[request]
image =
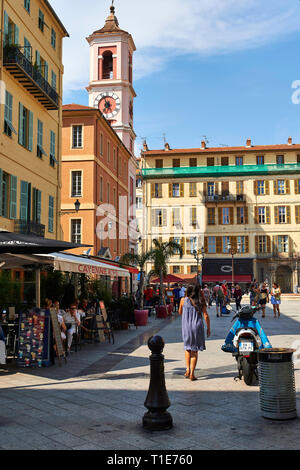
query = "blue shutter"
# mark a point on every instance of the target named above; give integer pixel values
(46, 71)
(1, 180)
(51, 214)
(24, 200)
(38, 206)
(6, 32)
(13, 197)
(30, 131)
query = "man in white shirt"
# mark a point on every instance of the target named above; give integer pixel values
(182, 291)
(71, 318)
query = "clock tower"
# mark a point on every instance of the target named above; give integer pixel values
(110, 88)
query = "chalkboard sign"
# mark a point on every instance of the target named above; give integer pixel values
(57, 334)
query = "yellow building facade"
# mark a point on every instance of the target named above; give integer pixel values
(239, 205)
(31, 72)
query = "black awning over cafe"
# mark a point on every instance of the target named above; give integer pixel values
(11, 242)
(220, 269)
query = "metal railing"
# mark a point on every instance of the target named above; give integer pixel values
(225, 197)
(29, 228)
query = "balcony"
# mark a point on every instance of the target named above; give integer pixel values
(221, 198)
(29, 228)
(30, 77)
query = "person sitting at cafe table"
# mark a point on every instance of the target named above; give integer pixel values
(72, 320)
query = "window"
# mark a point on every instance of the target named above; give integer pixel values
(52, 148)
(262, 244)
(282, 215)
(281, 187)
(101, 144)
(53, 80)
(193, 244)
(176, 162)
(193, 216)
(225, 188)
(139, 182)
(261, 215)
(239, 161)
(53, 38)
(242, 244)
(260, 160)
(176, 190)
(51, 214)
(283, 244)
(297, 214)
(261, 187)
(24, 201)
(176, 269)
(280, 159)
(108, 152)
(210, 189)
(158, 218)
(194, 269)
(239, 188)
(176, 217)
(25, 127)
(225, 216)
(107, 65)
(27, 50)
(4, 193)
(226, 241)
(193, 161)
(297, 186)
(40, 150)
(76, 137)
(11, 31)
(193, 189)
(211, 216)
(76, 230)
(210, 161)
(114, 159)
(41, 21)
(156, 190)
(158, 164)
(76, 182)
(224, 161)
(139, 203)
(36, 205)
(8, 110)
(108, 193)
(211, 244)
(27, 5)
(241, 215)
(101, 189)
(42, 65)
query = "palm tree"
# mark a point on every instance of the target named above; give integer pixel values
(139, 260)
(163, 251)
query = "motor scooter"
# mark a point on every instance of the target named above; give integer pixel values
(244, 340)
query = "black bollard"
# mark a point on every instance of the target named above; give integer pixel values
(157, 400)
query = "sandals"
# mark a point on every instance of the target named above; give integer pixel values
(192, 377)
(187, 374)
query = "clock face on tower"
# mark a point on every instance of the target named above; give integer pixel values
(108, 103)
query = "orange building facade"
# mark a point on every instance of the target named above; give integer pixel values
(94, 172)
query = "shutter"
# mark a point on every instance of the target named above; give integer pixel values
(216, 188)
(153, 218)
(287, 187)
(182, 243)
(170, 189)
(205, 244)
(204, 189)
(46, 68)
(296, 185)
(246, 215)
(13, 197)
(38, 206)
(220, 222)
(24, 200)
(218, 244)
(268, 215)
(188, 245)
(51, 214)
(231, 216)
(288, 214)
(30, 131)
(247, 244)
(21, 129)
(275, 187)
(268, 244)
(6, 32)
(255, 187)
(267, 187)
(1, 192)
(38, 59)
(181, 269)
(233, 241)
(164, 217)
(297, 214)
(276, 214)
(256, 215)
(256, 244)
(16, 35)
(181, 189)
(152, 190)
(160, 190)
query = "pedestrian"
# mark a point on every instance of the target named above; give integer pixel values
(253, 294)
(176, 291)
(182, 291)
(193, 334)
(276, 298)
(206, 293)
(237, 294)
(225, 291)
(218, 295)
(148, 296)
(263, 298)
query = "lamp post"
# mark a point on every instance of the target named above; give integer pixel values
(199, 255)
(76, 209)
(232, 251)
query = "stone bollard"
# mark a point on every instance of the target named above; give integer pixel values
(157, 400)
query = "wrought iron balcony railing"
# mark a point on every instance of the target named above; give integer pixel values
(29, 228)
(226, 198)
(30, 77)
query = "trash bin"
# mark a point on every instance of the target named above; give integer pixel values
(277, 383)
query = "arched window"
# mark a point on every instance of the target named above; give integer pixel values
(107, 68)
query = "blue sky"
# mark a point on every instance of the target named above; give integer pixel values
(219, 68)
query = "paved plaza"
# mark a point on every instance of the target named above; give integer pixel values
(95, 401)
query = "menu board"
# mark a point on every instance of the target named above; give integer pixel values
(33, 338)
(57, 334)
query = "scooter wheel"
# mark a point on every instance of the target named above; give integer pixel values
(248, 371)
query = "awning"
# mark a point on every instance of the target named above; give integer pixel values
(81, 265)
(239, 278)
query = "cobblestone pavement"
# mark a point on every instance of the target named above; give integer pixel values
(95, 401)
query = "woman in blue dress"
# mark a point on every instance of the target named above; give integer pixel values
(193, 311)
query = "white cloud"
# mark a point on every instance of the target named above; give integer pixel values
(165, 28)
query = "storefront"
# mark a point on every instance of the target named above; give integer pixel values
(220, 269)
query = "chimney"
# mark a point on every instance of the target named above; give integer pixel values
(290, 141)
(167, 146)
(145, 146)
(203, 144)
(248, 143)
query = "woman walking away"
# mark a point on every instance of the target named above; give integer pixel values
(193, 311)
(206, 293)
(263, 298)
(276, 298)
(237, 294)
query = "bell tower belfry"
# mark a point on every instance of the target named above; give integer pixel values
(110, 88)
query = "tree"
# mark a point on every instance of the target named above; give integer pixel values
(139, 260)
(163, 251)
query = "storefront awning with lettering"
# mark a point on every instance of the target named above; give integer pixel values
(81, 265)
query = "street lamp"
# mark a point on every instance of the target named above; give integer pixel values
(199, 255)
(232, 251)
(76, 206)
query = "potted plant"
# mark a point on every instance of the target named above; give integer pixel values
(139, 260)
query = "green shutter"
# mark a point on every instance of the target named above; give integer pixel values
(38, 206)
(13, 197)
(24, 200)
(30, 131)
(38, 59)
(51, 214)
(6, 32)
(46, 66)
(1, 182)
(16, 35)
